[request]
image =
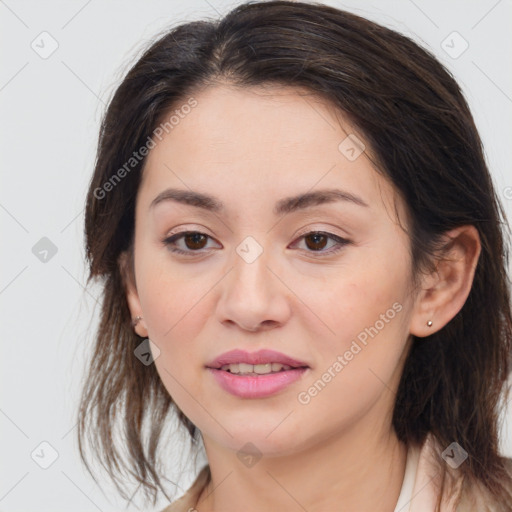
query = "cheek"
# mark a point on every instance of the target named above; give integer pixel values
(358, 300)
(368, 310)
(176, 307)
(173, 313)
(360, 368)
(169, 295)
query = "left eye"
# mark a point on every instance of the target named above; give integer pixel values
(318, 240)
(195, 241)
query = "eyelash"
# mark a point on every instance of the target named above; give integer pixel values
(342, 242)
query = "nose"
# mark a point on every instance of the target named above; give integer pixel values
(253, 295)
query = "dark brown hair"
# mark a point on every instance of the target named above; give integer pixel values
(420, 129)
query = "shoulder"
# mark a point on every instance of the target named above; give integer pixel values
(460, 494)
(476, 496)
(508, 465)
(189, 500)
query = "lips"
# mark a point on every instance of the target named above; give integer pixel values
(246, 375)
(254, 358)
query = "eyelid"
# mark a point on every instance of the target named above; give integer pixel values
(194, 228)
(320, 229)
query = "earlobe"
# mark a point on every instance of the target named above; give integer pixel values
(445, 291)
(132, 297)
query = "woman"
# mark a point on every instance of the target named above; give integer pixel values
(302, 255)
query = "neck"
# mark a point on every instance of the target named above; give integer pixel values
(366, 473)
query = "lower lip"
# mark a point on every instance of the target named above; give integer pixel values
(256, 386)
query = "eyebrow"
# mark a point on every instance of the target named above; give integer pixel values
(283, 206)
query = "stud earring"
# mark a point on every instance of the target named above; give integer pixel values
(430, 323)
(136, 320)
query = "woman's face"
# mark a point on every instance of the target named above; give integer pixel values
(257, 275)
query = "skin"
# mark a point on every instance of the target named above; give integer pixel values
(250, 148)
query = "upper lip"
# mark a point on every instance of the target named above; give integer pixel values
(260, 357)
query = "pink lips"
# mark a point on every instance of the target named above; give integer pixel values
(260, 357)
(259, 386)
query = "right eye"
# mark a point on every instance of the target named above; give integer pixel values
(194, 240)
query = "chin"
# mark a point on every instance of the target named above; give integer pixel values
(258, 436)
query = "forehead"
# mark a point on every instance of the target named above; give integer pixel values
(261, 142)
(235, 121)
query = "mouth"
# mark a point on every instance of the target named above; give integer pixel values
(262, 362)
(254, 370)
(255, 375)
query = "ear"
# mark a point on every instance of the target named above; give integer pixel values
(444, 291)
(125, 262)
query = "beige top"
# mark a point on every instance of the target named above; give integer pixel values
(418, 492)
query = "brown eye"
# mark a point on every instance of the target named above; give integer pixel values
(318, 241)
(194, 240)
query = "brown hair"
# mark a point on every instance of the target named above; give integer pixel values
(421, 131)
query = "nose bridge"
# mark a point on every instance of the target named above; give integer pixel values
(252, 295)
(251, 275)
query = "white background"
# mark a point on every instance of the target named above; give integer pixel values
(50, 111)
